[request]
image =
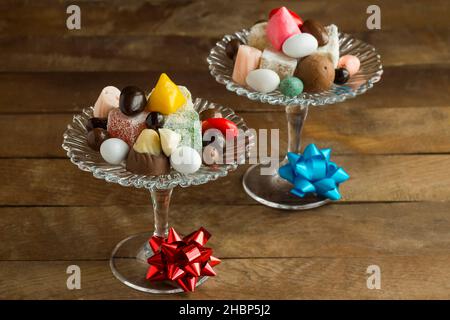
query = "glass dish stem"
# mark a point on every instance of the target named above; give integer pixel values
(296, 116)
(161, 203)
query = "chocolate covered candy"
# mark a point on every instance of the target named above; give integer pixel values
(232, 48)
(147, 164)
(247, 59)
(257, 37)
(107, 100)
(132, 100)
(316, 72)
(341, 76)
(95, 138)
(96, 123)
(316, 29)
(154, 120)
(280, 27)
(283, 65)
(124, 127)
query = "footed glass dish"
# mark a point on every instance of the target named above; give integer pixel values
(272, 190)
(128, 260)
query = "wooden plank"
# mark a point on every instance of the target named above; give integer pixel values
(374, 178)
(406, 86)
(183, 53)
(366, 130)
(205, 18)
(416, 277)
(337, 231)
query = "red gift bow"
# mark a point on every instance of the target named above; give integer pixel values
(182, 260)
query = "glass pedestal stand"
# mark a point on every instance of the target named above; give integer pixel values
(272, 190)
(129, 258)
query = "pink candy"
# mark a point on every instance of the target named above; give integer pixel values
(349, 62)
(124, 127)
(107, 100)
(280, 27)
(247, 59)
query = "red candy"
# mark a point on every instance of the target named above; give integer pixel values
(296, 17)
(221, 124)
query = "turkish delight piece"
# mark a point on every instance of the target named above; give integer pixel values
(186, 122)
(283, 65)
(107, 100)
(332, 47)
(247, 59)
(280, 27)
(126, 128)
(257, 37)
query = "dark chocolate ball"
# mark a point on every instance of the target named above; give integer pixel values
(95, 138)
(232, 48)
(132, 100)
(96, 123)
(341, 76)
(154, 120)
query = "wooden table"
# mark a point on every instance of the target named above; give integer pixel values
(394, 141)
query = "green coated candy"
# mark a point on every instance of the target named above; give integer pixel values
(291, 86)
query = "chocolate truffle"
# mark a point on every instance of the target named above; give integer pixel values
(317, 73)
(316, 29)
(147, 164)
(96, 123)
(132, 100)
(95, 138)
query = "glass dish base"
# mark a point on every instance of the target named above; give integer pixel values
(273, 191)
(129, 265)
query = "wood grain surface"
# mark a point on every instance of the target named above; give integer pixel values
(394, 141)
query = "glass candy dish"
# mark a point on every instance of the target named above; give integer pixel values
(129, 258)
(272, 190)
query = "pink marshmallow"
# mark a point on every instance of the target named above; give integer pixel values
(247, 59)
(107, 100)
(280, 27)
(349, 62)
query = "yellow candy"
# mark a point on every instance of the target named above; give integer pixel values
(148, 142)
(166, 98)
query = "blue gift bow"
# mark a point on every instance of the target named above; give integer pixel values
(313, 172)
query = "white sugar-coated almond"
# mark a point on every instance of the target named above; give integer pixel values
(300, 45)
(114, 150)
(263, 80)
(185, 160)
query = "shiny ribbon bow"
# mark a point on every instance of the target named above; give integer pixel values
(182, 260)
(313, 172)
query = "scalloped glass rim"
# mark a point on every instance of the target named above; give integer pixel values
(221, 68)
(80, 154)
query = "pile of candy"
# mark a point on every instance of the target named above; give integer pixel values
(154, 133)
(291, 55)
